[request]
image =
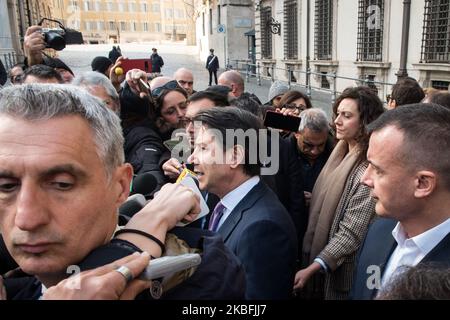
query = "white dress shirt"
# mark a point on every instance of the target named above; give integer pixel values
(232, 198)
(410, 251)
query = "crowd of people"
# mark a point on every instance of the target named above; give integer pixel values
(353, 208)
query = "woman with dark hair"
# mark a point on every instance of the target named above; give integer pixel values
(294, 101)
(341, 207)
(143, 143)
(170, 108)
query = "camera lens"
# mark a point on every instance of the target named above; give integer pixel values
(54, 40)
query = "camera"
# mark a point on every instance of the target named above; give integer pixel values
(57, 38)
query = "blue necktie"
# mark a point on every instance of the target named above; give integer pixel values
(215, 217)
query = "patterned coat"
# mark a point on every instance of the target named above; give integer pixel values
(354, 212)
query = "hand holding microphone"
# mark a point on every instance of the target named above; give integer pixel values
(142, 186)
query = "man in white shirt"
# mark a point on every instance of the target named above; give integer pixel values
(249, 217)
(409, 173)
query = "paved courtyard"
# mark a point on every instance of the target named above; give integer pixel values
(175, 55)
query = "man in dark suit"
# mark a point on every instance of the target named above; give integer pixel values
(201, 100)
(212, 64)
(409, 173)
(249, 217)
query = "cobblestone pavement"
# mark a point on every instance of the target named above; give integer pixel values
(175, 55)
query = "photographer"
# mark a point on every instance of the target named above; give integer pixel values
(34, 44)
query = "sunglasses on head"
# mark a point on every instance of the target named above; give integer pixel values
(173, 84)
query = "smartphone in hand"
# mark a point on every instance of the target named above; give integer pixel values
(277, 120)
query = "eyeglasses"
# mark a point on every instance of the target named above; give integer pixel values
(298, 109)
(173, 84)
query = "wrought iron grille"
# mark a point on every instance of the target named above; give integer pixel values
(368, 80)
(290, 29)
(325, 84)
(266, 35)
(436, 36)
(323, 29)
(370, 30)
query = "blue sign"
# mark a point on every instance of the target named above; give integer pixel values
(221, 28)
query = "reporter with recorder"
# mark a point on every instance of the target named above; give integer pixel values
(63, 179)
(102, 283)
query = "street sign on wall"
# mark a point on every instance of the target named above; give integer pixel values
(221, 28)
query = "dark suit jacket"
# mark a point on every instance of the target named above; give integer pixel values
(376, 251)
(261, 234)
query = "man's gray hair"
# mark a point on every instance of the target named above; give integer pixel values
(314, 119)
(94, 78)
(47, 101)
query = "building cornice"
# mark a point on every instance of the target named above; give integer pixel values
(373, 64)
(325, 63)
(268, 61)
(432, 66)
(296, 62)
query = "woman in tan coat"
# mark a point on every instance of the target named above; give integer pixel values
(341, 207)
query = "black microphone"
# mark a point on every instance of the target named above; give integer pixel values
(132, 205)
(144, 184)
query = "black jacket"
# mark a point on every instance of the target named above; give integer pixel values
(290, 187)
(143, 149)
(214, 65)
(7, 263)
(157, 62)
(219, 276)
(287, 183)
(113, 55)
